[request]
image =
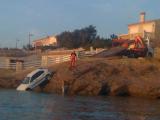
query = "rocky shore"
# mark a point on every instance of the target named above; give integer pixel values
(114, 77)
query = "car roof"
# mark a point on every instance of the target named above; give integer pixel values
(35, 71)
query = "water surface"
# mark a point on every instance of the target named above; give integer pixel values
(40, 106)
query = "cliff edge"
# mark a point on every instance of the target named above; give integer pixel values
(100, 76)
(117, 77)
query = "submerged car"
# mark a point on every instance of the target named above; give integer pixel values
(38, 77)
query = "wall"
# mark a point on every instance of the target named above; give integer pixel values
(157, 34)
(133, 29)
(130, 36)
(140, 28)
(50, 40)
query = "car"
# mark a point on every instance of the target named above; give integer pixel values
(39, 77)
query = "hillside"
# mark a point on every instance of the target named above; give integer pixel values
(99, 76)
(120, 77)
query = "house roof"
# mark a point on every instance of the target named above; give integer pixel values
(43, 38)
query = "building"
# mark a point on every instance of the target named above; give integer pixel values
(144, 28)
(47, 41)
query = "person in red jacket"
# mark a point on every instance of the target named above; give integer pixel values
(73, 59)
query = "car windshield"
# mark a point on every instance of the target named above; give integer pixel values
(26, 80)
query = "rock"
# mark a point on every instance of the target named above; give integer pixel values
(83, 87)
(105, 89)
(108, 77)
(116, 77)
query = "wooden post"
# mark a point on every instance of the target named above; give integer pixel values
(7, 63)
(91, 49)
(19, 66)
(44, 61)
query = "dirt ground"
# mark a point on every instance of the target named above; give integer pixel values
(117, 77)
(99, 76)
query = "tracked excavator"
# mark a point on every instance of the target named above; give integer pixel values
(138, 47)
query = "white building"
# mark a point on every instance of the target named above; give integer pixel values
(47, 41)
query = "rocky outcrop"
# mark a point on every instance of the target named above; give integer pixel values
(115, 77)
(7, 83)
(10, 79)
(119, 77)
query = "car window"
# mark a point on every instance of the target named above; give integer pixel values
(36, 75)
(26, 80)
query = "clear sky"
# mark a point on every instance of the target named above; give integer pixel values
(51, 17)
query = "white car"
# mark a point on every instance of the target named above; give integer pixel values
(35, 78)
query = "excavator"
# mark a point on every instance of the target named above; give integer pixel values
(138, 47)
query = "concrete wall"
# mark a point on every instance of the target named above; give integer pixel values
(157, 33)
(140, 28)
(50, 40)
(130, 36)
(133, 29)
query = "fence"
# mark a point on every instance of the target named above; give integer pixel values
(36, 63)
(7, 66)
(30, 64)
(4, 63)
(50, 60)
(43, 61)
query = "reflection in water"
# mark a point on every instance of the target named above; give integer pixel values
(31, 106)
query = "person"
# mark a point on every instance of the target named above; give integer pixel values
(73, 59)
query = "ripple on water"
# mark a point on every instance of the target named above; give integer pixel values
(16, 105)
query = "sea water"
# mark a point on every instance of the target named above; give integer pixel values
(16, 105)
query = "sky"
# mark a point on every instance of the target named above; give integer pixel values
(18, 18)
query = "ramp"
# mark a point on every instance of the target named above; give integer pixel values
(111, 52)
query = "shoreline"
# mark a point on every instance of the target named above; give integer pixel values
(100, 77)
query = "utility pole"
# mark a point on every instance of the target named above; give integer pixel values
(30, 35)
(17, 42)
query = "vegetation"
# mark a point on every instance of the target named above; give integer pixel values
(28, 47)
(84, 37)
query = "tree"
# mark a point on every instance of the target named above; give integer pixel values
(27, 47)
(78, 38)
(102, 43)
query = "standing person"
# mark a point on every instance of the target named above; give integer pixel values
(73, 59)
